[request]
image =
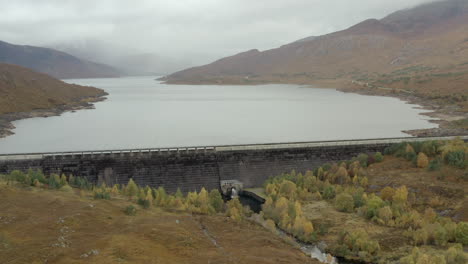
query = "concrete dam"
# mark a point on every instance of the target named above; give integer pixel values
(192, 168)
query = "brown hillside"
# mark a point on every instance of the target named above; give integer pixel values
(23, 90)
(416, 49)
(53, 62)
(45, 226)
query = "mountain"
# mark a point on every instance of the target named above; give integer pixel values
(23, 90)
(420, 49)
(129, 61)
(55, 63)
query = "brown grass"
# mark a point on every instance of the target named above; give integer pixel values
(55, 227)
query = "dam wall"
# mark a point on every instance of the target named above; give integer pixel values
(193, 168)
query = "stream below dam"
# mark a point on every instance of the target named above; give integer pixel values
(255, 202)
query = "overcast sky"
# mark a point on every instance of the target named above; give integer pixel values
(180, 27)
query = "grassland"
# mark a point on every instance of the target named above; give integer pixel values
(43, 225)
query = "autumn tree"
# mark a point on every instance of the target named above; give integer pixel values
(234, 210)
(216, 200)
(401, 195)
(387, 193)
(288, 189)
(131, 190)
(422, 160)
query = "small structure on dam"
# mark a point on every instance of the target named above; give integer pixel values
(231, 188)
(218, 167)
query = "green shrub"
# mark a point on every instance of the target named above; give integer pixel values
(216, 200)
(461, 233)
(130, 210)
(456, 255)
(101, 193)
(54, 181)
(373, 205)
(363, 160)
(378, 157)
(329, 192)
(358, 241)
(430, 148)
(456, 159)
(37, 175)
(66, 188)
(395, 149)
(344, 202)
(435, 164)
(17, 175)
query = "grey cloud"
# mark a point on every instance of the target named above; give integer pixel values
(180, 28)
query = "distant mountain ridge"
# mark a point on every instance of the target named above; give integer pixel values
(53, 62)
(419, 49)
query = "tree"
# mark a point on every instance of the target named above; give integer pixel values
(179, 193)
(387, 193)
(204, 202)
(401, 195)
(132, 189)
(288, 189)
(234, 209)
(161, 196)
(422, 160)
(329, 192)
(364, 182)
(216, 200)
(302, 228)
(373, 205)
(63, 180)
(341, 176)
(281, 209)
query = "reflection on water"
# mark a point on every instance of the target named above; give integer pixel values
(143, 113)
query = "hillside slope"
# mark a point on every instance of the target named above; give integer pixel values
(24, 90)
(25, 93)
(416, 49)
(55, 63)
(46, 226)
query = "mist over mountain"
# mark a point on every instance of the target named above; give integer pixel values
(130, 61)
(55, 63)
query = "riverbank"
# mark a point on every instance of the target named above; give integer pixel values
(6, 120)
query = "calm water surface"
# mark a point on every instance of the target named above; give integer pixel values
(143, 113)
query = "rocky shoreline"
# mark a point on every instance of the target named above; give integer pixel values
(6, 120)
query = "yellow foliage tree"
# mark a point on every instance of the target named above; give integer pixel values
(387, 193)
(132, 189)
(401, 195)
(422, 160)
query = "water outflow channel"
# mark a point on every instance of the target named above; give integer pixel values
(255, 203)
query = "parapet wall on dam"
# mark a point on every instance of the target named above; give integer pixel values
(196, 167)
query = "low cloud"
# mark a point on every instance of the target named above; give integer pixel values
(208, 28)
